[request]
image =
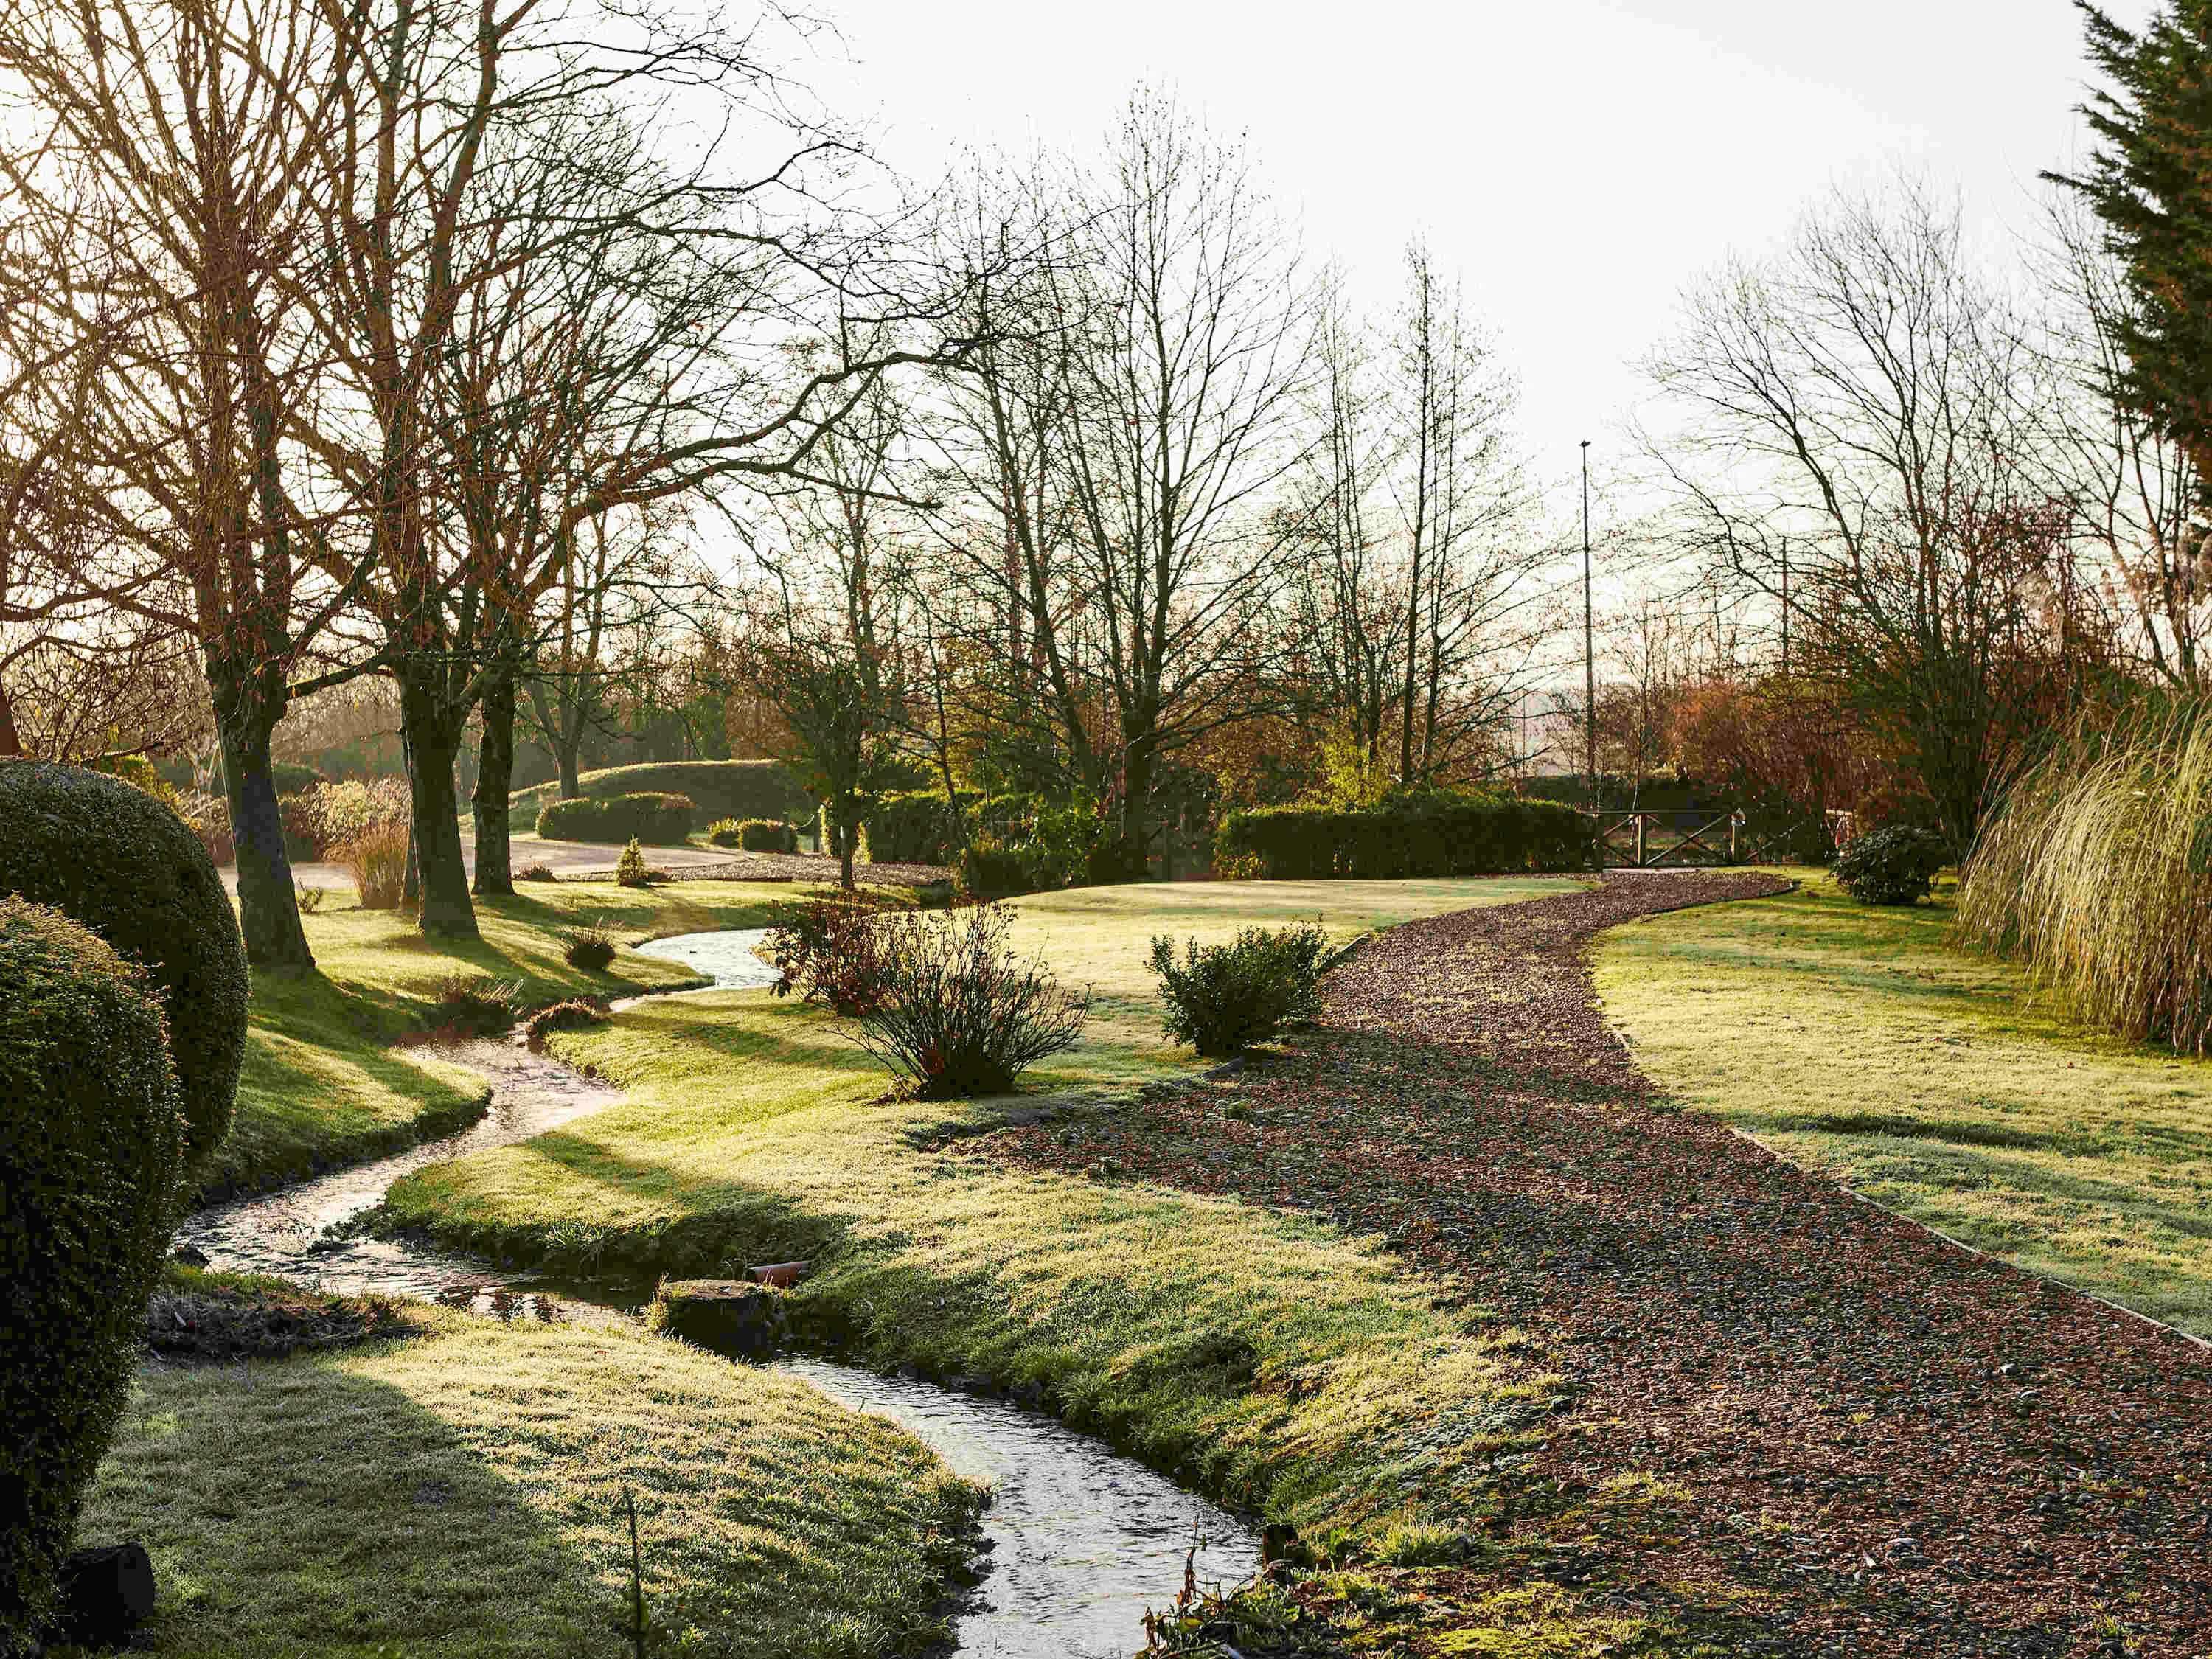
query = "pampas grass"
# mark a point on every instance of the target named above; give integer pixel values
(2097, 874)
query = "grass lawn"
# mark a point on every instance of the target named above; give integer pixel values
(460, 1492)
(322, 1084)
(1102, 936)
(1854, 1041)
(1270, 1360)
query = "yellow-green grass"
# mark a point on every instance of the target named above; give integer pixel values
(323, 1085)
(1855, 1041)
(1270, 1360)
(460, 1493)
(1101, 937)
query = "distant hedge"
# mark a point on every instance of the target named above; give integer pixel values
(721, 789)
(654, 818)
(1415, 836)
(915, 828)
(767, 836)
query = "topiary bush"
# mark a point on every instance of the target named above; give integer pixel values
(91, 1144)
(725, 832)
(133, 872)
(1222, 998)
(658, 820)
(1894, 864)
(767, 836)
(631, 869)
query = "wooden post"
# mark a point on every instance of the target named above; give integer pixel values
(1640, 822)
(1735, 819)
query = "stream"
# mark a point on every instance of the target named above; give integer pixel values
(1080, 1540)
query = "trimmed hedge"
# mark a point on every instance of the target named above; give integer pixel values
(722, 789)
(1435, 834)
(91, 1144)
(656, 819)
(126, 867)
(918, 827)
(767, 836)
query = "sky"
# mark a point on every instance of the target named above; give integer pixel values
(1578, 162)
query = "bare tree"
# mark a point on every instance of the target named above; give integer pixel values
(1860, 407)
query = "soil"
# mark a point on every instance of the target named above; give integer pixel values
(1868, 1441)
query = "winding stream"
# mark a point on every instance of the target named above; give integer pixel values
(1081, 1541)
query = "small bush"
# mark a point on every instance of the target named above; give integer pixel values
(767, 836)
(337, 814)
(658, 820)
(724, 832)
(478, 1005)
(631, 869)
(1240, 867)
(828, 949)
(960, 1014)
(302, 823)
(591, 948)
(1222, 998)
(309, 899)
(1894, 864)
(376, 860)
(126, 867)
(91, 1143)
(574, 1015)
(536, 872)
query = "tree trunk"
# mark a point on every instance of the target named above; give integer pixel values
(434, 740)
(268, 901)
(495, 787)
(11, 743)
(564, 762)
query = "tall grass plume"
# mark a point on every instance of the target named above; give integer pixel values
(2097, 874)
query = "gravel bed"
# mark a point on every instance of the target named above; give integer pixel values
(1869, 1440)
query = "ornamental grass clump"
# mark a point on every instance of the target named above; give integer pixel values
(2097, 874)
(478, 1005)
(590, 947)
(376, 860)
(1221, 998)
(961, 1015)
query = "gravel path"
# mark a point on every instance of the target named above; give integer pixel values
(1878, 1443)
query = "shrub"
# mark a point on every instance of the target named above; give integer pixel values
(91, 1142)
(1423, 833)
(376, 858)
(767, 836)
(294, 778)
(918, 827)
(1222, 998)
(309, 899)
(301, 817)
(660, 820)
(630, 869)
(828, 950)
(479, 1005)
(344, 812)
(127, 867)
(1894, 864)
(574, 1015)
(725, 832)
(536, 872)
(591, 948)
(2097, 874)
(960, 1014)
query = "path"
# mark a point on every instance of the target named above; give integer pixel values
(1886, 1445)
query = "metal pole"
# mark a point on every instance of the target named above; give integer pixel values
(1589, 650)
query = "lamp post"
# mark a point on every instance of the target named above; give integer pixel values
(1589, 650)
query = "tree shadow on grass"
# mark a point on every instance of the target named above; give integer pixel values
(303, 1507)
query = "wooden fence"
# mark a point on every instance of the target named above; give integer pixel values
(1663, 840)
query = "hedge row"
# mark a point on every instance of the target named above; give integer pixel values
(721, 789)
(915, 828)
(1439, 835)
(656, 819)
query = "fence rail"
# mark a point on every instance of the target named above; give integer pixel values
(1661, 840)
